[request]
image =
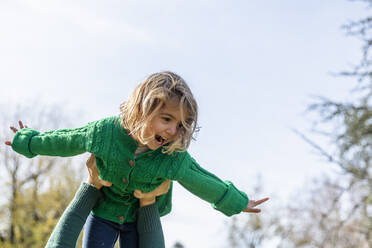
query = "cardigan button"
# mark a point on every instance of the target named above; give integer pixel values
(149, 154)
(121, 218)
(124, 180)
(131, 163)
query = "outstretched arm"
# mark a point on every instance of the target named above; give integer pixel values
(223, 195)
(63, 142)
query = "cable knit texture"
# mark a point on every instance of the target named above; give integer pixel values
(149, 227)
(114, 150)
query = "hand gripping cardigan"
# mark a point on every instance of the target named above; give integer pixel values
(114, 151)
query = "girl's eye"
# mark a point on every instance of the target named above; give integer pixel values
(166, 119)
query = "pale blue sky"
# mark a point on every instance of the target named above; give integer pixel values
(252, 66)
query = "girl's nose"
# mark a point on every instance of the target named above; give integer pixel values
(172, 130)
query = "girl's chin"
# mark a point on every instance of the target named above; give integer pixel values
(153, 145)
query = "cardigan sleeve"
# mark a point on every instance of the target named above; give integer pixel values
(223, 195)
(67, 230)
(150, 231)
(63, 142)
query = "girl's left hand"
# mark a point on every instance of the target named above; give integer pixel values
(252, 204)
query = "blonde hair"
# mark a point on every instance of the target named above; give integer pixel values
(149, 97)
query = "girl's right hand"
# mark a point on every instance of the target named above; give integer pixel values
(8, 143)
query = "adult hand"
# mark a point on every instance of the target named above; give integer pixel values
(149, 198)
(252, 204)
(93, 174)
(14, 131)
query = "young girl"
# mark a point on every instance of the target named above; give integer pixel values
(139, 149)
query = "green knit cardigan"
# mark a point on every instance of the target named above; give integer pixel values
(114, 151)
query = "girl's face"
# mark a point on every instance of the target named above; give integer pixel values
(164, 126)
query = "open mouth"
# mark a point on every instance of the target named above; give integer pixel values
(160, 140)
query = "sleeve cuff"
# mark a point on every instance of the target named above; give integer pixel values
(232, 202)
(148, 219)
(86, 197)
(21, 141)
